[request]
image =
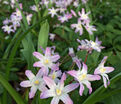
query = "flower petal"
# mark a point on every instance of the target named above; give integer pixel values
(66, 99)
(55, 58)
(93, 77)
(37, 64)
(104, 81)
(32, 92)
(55, 100)
(39, 74)
(84, 68)
(48, 51)
(58, 73)
(103, 60)
(25, 84)
(97, 71)
(50, 83)
(55, 66)
(109, 69)
(29, 74)
(73, 73)
(71, 87)
(81, 89)
(38, 55)
(88, 85)
(46, 94)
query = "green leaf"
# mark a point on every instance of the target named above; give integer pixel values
(11, 91)
(100, 94)
(43, 36)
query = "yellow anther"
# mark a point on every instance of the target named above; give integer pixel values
(36, 82)
(93, 43)
(46, 61)
(53, 76)
(58, 92)
(102, 70)
(80, 26)
(82, 77)
(18, 13)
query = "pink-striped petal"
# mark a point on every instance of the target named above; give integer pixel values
(44, 71)
(97, 71)
(46, 94)
(104, 60)
(70, 87)
(50, 83)
(63, 78)
(104, 81)
(32, 92)
(55, 66)
(78, 63)
(81, 90)
(84, 68)
(109, 69)
(73, 73)
(25, 84)
(73, 13)
(55, 100)
(88, 85)
(48, 51)
(93, 77)
(58, 73)
(39, 74)
(55, 58)
(66, 99)
(42, 87)
(37, 64)
(38, 55)
(29, 74)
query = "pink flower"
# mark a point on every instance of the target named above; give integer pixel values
(63, 18)
(101, 70)
(28, 17)
(83, 78)
(53, 12)
(52, 36)
(8, 29)
(74, 58)
(35, 82)
(6, 21)
(55, 75)
(78, 27)
(46, 61)
(90, 45)
(90, 28)
(58, 91)
(84, 16)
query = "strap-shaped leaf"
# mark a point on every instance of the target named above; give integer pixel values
(99, 94)
(11, 91)
(43, 36)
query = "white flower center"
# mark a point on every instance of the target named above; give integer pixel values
(36, 82)
(102, 70)
(84, 16)
(82, 77)
(53, 11)
(46, 61)
(58, 91)
(93, 44)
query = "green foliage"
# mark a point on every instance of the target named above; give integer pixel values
(16, 50)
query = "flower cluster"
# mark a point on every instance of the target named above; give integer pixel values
(11, 24)
(50, 79)
(90, 45)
